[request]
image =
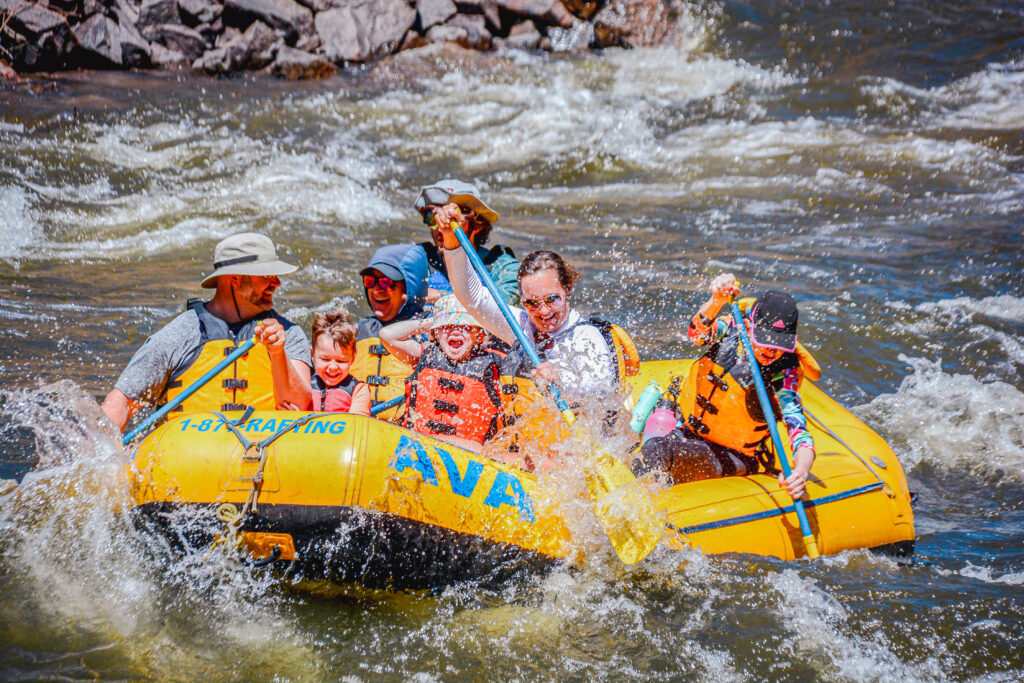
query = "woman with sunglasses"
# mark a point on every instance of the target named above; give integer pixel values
(395, 284)
(573, 351)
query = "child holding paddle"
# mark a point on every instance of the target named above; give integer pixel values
(724, 431)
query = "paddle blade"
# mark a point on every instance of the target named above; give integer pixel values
(626, 510)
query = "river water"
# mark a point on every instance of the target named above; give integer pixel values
(867, 156)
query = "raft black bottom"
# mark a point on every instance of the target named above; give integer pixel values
(901, 551)
(349, 544)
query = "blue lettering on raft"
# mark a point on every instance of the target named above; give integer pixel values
(506, 489)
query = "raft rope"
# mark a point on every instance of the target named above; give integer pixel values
(227, 513)
(888, 491)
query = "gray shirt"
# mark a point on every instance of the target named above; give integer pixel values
(175, 346)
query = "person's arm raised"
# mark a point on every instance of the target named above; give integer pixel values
(397, 338)
(291, 376)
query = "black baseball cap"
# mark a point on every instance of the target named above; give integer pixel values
(774, 317)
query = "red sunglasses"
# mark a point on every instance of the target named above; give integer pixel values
(372, 281)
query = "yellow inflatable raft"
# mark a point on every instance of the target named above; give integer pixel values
(351, 498)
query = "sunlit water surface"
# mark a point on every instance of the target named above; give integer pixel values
(868, 157)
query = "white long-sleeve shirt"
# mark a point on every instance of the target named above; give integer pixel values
(579, 352)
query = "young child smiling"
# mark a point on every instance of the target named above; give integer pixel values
(333, 351)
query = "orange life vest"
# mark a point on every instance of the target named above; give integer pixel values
(719, 400)
(246, 382)
(454, 399)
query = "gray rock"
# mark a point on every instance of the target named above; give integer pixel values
(549, 11)
(125, 12)
(135, 50)
(91, 7)
(634, 23)
(178, 38)
(411, 41)
(522, 36)
(433, 12)
(298, 65)
(31, 21)
(488, 8)
(284, 15)
(445, 33)
(166, 58)
(229, 34)
(100, 36)
(195, 12)
(253, 49)
(477, 35)
(157, 12)
(365, 30)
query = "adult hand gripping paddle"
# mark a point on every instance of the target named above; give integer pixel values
(623, 506)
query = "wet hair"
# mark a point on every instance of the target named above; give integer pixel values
(542, 259)
(338, 325)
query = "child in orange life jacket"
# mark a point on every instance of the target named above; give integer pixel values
(333, 351)
(453, 394)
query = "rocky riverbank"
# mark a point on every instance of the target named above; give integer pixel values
(305, 38)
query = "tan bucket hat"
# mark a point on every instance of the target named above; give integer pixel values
(246, 253)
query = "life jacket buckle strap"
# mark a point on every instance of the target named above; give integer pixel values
(449, 383)
(378, 380)
(233, 406)
(509, 389)
(707, 405)
(174, 384)
(440, 427)
(446, 406)
(697, 425)
(718, 381)
(228, 350)
(235, 383)
(379, 350)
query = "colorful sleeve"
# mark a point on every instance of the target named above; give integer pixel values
(787, 391)
(703, 335)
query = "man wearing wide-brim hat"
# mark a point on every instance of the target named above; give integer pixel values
(274, 374)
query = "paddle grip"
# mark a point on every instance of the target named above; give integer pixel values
(766, 406)
(387, 405)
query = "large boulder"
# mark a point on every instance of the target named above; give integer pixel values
(488, 8)
(364, 29)
(188, 42)
(157, 12)
(253, 49)
(548, 11)
(477, 35)
(100, 37)
(522, 36)
(135, 50)
(433, 12)
(287, 16)
(166, 58)
(195, 12)
(297, 65)
(36, 38)
(634, 23)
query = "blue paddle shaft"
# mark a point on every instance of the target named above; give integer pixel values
(485, 277)
(386, 405)
(192, 388)
(769, 414)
